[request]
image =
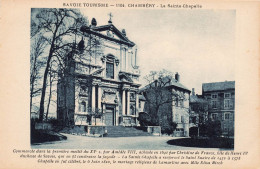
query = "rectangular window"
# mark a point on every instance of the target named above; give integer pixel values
(214, 104)
(227, 95)
(182, 119)
(214, 96)
(177, 102)
(110, 70)
(227, 103)
(227, 116)
(214, 116)
(181, 103)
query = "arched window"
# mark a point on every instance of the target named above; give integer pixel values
(83, 106)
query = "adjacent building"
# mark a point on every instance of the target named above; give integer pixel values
(198, 109)
(172, 99)
(221, 100)
(99, 85)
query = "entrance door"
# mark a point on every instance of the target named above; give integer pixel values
(109, 117)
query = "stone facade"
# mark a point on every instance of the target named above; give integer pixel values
(180, 111)
(101, 84)
(221, 100)
(177, 109)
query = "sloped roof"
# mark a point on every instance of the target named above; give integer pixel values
(97, 31)
(174, 83)
(168, 83)
(196, 99)
(218, 86)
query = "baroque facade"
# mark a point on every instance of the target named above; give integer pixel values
(221, 101)
(100, 85)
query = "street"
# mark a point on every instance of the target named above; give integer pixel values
(137, 143)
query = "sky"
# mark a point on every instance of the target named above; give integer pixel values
(198, 44)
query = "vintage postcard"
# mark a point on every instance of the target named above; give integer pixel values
(151, 84)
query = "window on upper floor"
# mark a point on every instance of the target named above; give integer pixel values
(227, 116)
(227, 103)
(110, 70)
(214, 96)
(181, 103)
(214, 104)
(177, 102)
(182, 119)
(227, 95)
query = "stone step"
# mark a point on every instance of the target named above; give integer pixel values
(121, 131)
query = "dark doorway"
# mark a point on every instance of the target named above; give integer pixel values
(109, 116)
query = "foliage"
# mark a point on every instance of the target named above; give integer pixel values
(144, 119)
(160, 96)
(211, 129)
(169, 129)
(53, 121)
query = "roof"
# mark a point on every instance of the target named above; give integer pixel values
(172, 83)
(97, 31)
(218, 86)
(196, 99)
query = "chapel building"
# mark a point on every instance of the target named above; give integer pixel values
(101, 80)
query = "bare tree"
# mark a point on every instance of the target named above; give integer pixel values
(52, 78)
(160, 96)
(37, 62)
(56, 26)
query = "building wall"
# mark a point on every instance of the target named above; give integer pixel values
(93, 92)
(222, 108)
(177, 110)
(180, 111)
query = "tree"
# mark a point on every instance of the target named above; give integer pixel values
(56, 26)
(37, 62)
(159, 96)
(213, 128)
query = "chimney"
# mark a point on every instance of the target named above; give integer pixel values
(155, 83)
(177, 77)
(193, 92)
(93, 22)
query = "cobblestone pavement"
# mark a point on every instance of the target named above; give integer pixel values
(137, 143)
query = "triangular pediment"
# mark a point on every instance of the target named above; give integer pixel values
(102, 31)
(112, 32)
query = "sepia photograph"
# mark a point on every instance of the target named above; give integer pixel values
(129, 84)
(132, 79)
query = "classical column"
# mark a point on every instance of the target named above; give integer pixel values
(136, 105)
(128, 102)
(123, 102)
(93, 98)
(99, 98)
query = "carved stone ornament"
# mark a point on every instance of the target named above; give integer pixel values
(109, 91)
(117, 62)
(116, 100)
(103, 58)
